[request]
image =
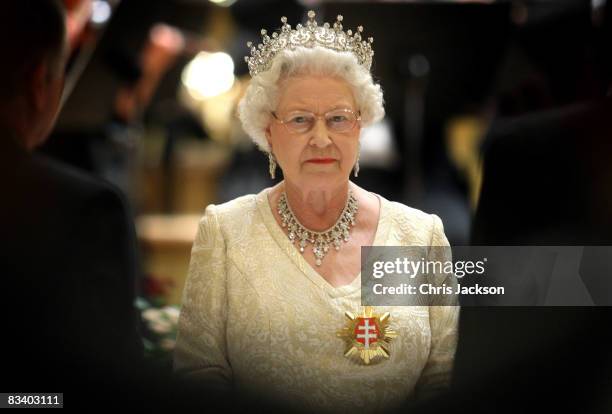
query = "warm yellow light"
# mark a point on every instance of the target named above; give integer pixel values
(224, 3)
(208, 75)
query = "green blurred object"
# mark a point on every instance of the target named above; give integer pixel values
(159, 328)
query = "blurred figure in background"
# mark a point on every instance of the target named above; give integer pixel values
(548, 181)
(68, 245)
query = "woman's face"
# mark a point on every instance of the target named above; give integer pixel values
(321, 157)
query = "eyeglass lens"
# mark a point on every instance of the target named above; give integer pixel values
(336, 121)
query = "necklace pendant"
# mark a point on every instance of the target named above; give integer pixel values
(321, 240)
(367, 336)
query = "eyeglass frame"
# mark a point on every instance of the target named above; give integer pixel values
(356, 114)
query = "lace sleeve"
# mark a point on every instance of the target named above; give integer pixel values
(443, 321)
(201, 352)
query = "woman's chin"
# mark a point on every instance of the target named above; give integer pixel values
(320, 179)
(321, 169)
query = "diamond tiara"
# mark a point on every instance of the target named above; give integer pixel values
(309, 36)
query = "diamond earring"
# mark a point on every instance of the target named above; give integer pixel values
(272, 165)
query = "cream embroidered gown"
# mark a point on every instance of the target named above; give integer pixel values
(256, 316)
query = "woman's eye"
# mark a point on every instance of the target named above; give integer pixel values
(338, 118)
(299, 120)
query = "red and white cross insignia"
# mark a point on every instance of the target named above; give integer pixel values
(366, 331)
(367, 335)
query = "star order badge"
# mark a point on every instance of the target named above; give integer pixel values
(367, 335)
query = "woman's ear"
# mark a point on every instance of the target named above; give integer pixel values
(38, 86)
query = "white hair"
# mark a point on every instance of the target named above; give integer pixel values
(261, 96)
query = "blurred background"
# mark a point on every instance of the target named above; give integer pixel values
(152, 89)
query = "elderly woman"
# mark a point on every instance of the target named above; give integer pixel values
(272, 275)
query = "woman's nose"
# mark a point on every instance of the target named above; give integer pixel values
(320, 135)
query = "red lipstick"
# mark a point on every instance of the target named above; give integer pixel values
(322, 160)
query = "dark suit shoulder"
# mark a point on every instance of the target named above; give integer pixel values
(48, 204)
(70, 180)
(39, 186)
(559, 122)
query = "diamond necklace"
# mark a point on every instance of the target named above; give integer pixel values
(321, 240)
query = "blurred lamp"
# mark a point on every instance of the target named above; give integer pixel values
(208, 75)
(224, 3)
(100, 12)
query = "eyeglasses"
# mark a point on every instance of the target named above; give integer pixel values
(337, 121)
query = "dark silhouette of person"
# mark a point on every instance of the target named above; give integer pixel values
(69, 260)
(547, 182)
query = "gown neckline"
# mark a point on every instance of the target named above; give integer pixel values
(283, 242)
